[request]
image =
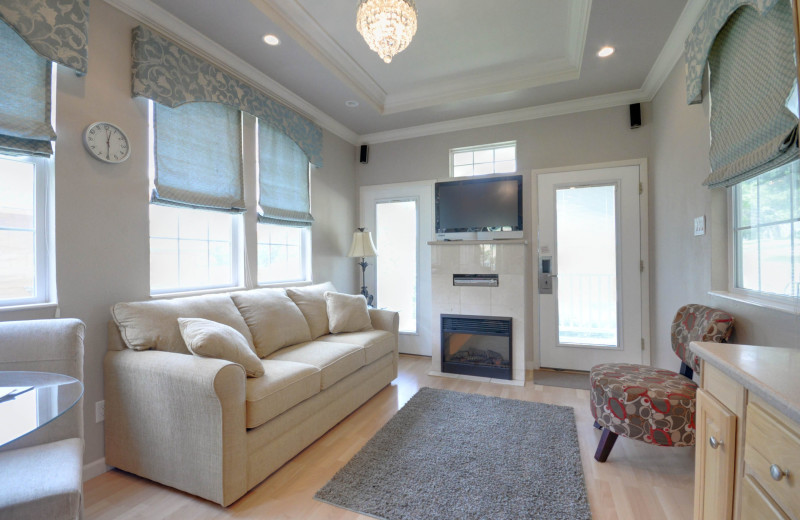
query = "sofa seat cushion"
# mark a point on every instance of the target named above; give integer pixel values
(283, 385)
(334, 360)
(376, 343)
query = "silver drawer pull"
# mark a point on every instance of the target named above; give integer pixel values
(777, 473)
(714, 443)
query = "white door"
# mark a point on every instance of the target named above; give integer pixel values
(590, 251)
(400, 218)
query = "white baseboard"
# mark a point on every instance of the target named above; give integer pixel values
(95, 469)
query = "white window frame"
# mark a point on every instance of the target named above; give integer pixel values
(43, 257)
(480, 148)
(305, 259)
(760, 299)
(237, 231)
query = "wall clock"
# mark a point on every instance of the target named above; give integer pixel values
(106, 142)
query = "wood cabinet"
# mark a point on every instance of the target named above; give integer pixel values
(715, 458)
(747, 462)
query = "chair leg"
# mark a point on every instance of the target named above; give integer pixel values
(597, 425)
(686, 371)
(607, 441)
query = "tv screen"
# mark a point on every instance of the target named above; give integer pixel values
(485, 204)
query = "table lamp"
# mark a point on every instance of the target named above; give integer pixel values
(362, 247)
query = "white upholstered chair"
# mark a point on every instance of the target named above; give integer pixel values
(41, 473)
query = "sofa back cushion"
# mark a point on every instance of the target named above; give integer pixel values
(273, 318)
(154, 324)
(311, 301)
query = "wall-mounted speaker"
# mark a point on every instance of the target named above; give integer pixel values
(636, 115)
(363, 155)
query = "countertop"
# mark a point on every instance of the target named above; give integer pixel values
(772, 373)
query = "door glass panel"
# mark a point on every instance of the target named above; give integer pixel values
(586, 238)
(396, 241)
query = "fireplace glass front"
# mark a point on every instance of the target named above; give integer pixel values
(476, 345)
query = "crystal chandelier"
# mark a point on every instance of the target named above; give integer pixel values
(387, 25)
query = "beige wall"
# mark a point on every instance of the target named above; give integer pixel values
(101, 211)
(575, 139)
(681, 264)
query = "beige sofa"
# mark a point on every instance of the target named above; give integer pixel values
(199, 424)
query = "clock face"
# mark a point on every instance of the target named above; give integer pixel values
(106, 142)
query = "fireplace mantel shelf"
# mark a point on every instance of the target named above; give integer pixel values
(473, 242)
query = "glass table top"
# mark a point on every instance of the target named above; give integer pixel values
(29, 400)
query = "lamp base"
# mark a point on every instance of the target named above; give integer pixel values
(363, 263)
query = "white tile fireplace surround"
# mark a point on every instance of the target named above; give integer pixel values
(506, 258)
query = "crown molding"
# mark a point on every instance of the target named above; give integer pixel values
(511, 116)
(161, 20)
(673, 48)
(578, 29)
(304, 29)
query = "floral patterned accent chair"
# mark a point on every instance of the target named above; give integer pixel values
(650, 404)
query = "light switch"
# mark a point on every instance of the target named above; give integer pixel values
(700, 226)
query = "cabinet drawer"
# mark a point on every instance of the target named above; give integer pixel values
(756, 503)
(771, 439)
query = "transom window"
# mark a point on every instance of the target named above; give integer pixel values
(484, 159)
(766, 233)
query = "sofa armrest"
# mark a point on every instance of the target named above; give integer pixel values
(385, 320)
(177, 419)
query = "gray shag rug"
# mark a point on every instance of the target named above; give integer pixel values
(448, 455)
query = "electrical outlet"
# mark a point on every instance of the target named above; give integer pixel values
(700, 226)
(99, 411)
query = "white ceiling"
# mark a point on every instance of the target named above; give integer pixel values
(471, 63)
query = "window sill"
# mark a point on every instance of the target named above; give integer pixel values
(296, 283)
(196, 292)
(793, 310)
(30, 307)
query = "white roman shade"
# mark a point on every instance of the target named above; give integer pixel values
(282, 179)
(25, 127)
(199, 157)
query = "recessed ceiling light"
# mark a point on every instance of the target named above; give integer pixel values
(271, 39)
(351, 103)
(605, 52)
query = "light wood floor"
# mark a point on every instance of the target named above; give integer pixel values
(638, 481)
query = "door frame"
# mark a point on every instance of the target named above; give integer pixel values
(423, 192)
(644, 252)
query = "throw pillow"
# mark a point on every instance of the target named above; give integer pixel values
(206, 338)
(347, 312)
(311, 301)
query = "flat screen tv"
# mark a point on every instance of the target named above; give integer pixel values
(484, 208)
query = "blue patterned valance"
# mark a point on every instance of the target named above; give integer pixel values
(699, 42)
(55, 29)
(169, 74)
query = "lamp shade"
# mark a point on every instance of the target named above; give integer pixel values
(362, 245)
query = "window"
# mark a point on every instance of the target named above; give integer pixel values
(26, 132)
(197, 196)
(284, 228)
(483, 160)
(766, 234)
(283, 254)
(23, 235)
